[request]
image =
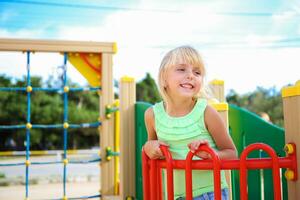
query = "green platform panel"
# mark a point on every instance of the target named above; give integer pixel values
(141, 138)
(246, 128)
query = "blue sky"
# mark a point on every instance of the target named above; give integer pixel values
(247, 43)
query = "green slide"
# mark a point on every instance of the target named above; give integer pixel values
(246, 128)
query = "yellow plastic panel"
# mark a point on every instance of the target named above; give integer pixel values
(89, 65)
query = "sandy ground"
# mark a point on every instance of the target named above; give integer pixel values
(50, 191)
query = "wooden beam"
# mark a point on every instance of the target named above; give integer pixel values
(56, 46)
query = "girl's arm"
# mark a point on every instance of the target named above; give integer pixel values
(151, 147)
(216, 127)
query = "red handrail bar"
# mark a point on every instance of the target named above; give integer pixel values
(216, 169)
(290, 162)
(252, 163)
(160, 181)
(169, 162)
(275, 169)
(146, 177)
(153, 180)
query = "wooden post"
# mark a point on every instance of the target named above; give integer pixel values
(291, 111)
(217, 87)
(127, 137)
(107, 127)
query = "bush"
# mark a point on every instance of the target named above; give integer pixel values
(2, 175)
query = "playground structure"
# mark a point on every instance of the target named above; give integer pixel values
(130, 120)
(98, 58)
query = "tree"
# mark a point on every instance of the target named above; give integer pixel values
(47, 108)
(261, 100)
(146, 90)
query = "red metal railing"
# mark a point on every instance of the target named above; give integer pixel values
(152, 170)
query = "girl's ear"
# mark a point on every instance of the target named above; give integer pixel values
(165, 85)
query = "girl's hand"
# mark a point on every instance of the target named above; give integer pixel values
(193, 146)
(152, 149)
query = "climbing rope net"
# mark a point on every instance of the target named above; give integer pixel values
(65, 126)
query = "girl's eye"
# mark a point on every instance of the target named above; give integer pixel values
(198, 73)
(180, 69)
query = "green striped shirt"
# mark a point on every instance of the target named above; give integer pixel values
(178, 132)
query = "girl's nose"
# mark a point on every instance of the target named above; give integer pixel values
(190, 75)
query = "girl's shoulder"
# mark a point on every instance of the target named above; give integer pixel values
(152, 109)
(149, 117)
(158, 108)
(149, 112)
(211, 116)
(201, 104)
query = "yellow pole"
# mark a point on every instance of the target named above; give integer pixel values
(117, 146)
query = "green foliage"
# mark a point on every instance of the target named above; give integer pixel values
(2, 175)
(46, 108)
(261, 100)
(146, 90)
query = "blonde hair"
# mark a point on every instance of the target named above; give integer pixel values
(181, 55)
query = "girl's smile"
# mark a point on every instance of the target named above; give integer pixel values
(187, 85)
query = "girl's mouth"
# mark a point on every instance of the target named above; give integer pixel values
(187, 85)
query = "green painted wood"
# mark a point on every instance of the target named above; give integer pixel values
(141, 138)
(246, 128)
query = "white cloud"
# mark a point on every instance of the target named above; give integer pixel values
(191, 23)
(245, 70)
(254, 40)
(23, 33)
(284, 16)
(14, 65)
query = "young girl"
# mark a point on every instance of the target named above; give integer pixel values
(184, 120)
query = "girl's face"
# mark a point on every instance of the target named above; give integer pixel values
(183, 80)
